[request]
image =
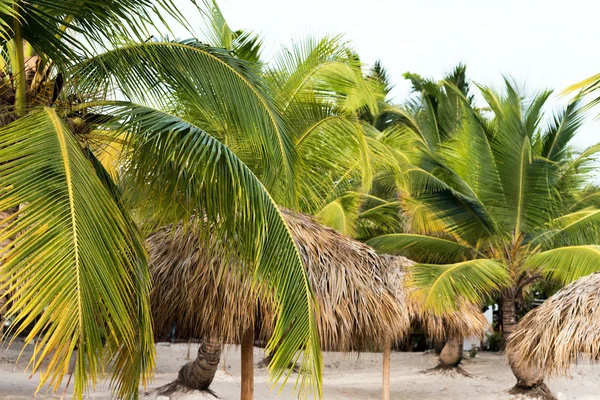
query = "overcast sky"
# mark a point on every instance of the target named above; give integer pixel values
(541, 43)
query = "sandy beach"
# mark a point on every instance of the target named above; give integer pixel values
(346, 376)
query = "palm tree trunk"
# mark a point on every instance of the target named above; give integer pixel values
(527, 378)
(4, 245)
(452, 352)
(509, 315)
(199, 374)
(385, 387)
(18, 67)
(247, 390)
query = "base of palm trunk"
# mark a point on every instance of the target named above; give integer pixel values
(450, 370)
(530, 380)
(175, 387)
(450, 358)
(541, 391)
(198, 374)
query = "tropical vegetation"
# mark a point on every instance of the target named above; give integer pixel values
(94, 113)
(110, 132)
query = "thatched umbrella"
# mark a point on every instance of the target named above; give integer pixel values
(205, 291)
(553, 336)
(449, 328)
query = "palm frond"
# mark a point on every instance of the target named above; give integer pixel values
(586, 85)
(320, 177)
(524, 177)
(464, 215)
(440, 287)
(577, 228)
(421, 248)
(59, 30)
(341, 214)
(326, 69)
(222, 94)
(185, 172)
(566, 264)
(561, 132)
(244, 44)
(77, 267)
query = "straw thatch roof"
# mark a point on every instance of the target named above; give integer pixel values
(204, 291)
(552, 337)
(200, 288)
(466, 321)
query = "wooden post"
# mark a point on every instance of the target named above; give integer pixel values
(385, 387)
(248, 365)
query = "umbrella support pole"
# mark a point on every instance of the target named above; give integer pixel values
(385, 387)
(247, 390)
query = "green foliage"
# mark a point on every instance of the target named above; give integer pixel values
(77, 169)
(85, 287)
(437, 285)
(473, 352)
(498, 187)
(495, 340)
(420, 248)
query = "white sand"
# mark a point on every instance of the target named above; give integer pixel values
(345, 377)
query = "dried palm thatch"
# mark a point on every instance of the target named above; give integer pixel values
(201, 289)
(565, 328)
(466, 321)
(206, 291)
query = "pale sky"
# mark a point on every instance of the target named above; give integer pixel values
(541, 43)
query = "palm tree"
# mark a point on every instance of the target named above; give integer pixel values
(76, 268)
(557, 334)
(504, 195)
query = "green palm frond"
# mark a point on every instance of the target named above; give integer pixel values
(421, 248)
(421, 219)
(320, 177)
(324, 69)
(440, 287)
(341, 214)
(8, 13)
(245, 45)
(577, 228)
(581, 165)
(566, 264)
(589, 197)
(185, 171)
(391, 116)
(222, 94)
(60, 29)
(380, 79)
(378, 217)
(296, 70)
(463, 215)
(585, 86)
(533, 116)
(77, 268)
(525, 177)
(559, 135)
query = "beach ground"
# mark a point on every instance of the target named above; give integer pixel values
(346, 376)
